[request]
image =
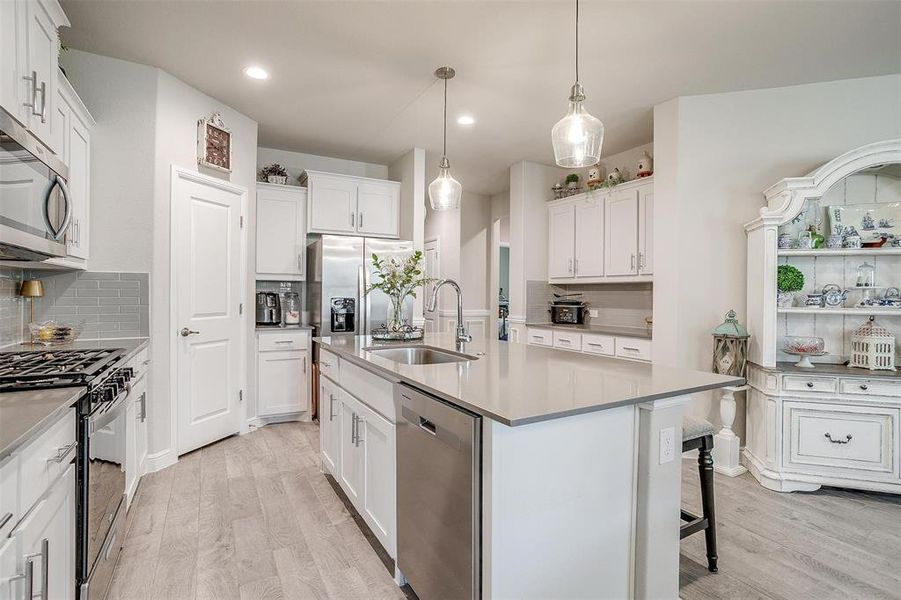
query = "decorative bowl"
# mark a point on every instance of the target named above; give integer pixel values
(51, 333)
(805, 347)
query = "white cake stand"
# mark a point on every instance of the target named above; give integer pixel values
(804, 363)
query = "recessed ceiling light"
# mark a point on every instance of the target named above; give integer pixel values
(466, 120)
(256, 73)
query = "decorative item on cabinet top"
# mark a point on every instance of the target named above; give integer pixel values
(214, 144)
(645, 166)
(730, 347)
(274, 173)
(872, 347)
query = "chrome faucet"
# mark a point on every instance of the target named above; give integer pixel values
(462, 336)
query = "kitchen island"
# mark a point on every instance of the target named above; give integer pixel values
(580, 459)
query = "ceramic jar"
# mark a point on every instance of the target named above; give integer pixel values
(785, 299)
(835, 241)
(785, 241)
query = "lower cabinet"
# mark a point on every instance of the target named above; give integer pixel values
(592, 343)
(135, 437)
(357, 446)
(283, 368)
(43, 544)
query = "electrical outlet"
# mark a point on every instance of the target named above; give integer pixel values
(593, 313)
(667, 452)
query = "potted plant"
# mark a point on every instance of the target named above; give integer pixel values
(572, 184)
(788, 281)
(399, 279)
(274, 173)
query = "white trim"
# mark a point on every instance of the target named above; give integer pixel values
(177, 173)
(361, 178)
(160, 460)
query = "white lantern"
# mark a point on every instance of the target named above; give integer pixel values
(872, 347)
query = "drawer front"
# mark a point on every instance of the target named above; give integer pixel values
(598, 344)
(271, 341)
(328, 365)
(568, 341)
(46, 458)
(804, 383)
(871, 387)
(633, 348)
(9, 497)
(541, 337)
(370, 389)
(852, 439)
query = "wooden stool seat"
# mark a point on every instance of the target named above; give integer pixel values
(697, 434)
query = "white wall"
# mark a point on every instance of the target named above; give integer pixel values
(500, 210)
(409, 170)
(297, 162)
(715, 154)
(475, 235)
(627, 160)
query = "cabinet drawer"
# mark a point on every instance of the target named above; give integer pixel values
(861, 439)
(283, 340)
(803, 383)
(568, 341)
(38, 460)
(541, 337)
(871, 387)
(593, 343)
(633, 348)
(328, 365)
(368, 388)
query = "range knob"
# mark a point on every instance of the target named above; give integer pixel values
(109, 393)
(128, 373)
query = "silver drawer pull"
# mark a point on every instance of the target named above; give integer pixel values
(283, 342)
(325, 364)
(864, 387)
(62, 453)
(628, 348)
(839, 441)
(810, 384)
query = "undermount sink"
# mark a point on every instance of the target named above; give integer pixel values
(419, 355)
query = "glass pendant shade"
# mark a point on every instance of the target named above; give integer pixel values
(445, 191)
(578, 136)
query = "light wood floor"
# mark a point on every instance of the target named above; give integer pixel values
(252, 517)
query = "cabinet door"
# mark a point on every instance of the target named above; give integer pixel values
(378, 209)
(589, 260)
(281, 235)
(646, 230)
(329, 424)
(43, 48)
(621, 233)
(377, 442)
(561, 231)
(282, 382)
(131, 455)
(350, 458)
(13, 61)
(79, 160)
(47, 540)
(140, 393)
(332, 204)
(62, 114)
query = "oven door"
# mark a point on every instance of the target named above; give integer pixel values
(35, 209)
(106, 475)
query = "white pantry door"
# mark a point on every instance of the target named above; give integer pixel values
(207, 278)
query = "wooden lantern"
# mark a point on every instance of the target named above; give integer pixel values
(730, 347)
(872, 347)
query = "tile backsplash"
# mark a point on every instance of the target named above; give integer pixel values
(620, 304)
(11, 307)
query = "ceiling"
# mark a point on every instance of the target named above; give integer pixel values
(355, 79)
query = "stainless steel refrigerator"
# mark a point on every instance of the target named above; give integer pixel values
(339, 269)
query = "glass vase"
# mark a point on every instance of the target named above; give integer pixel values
(396, 317)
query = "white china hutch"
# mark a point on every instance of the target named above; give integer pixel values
(830, 425)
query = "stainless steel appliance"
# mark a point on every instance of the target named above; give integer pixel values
(35, 210)
(100, 458)
(339, 271)
(438, 496)
(568, 309)
(269, 308)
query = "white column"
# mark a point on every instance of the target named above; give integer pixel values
(726, 444)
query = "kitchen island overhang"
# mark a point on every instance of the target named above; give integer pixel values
(576, 501)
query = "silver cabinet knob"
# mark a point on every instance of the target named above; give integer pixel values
(185, 332)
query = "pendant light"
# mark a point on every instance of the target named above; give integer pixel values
(445, 191)
(577, 137)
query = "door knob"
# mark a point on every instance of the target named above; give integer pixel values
(185, 332)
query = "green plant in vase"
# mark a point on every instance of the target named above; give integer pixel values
(789, 280)
(399, 280)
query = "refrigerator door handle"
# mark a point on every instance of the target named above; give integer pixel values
(363, 299)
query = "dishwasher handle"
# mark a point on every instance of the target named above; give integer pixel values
(427, 426)
(435, 430)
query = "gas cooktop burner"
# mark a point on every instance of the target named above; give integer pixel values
(53, 368)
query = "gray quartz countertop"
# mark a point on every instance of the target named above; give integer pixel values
(517, 384)
(23, 415)
(834, 369)
(131, 345)
(635, 332)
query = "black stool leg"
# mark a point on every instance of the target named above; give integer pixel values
(705, 469)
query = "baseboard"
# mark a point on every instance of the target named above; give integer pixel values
(160, 460)
(285, 418)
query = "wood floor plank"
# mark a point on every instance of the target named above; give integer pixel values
(298, 572)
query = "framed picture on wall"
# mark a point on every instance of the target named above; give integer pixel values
(214, 144)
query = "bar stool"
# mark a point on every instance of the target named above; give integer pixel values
(697, 434)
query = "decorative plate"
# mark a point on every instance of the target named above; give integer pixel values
(869, 221)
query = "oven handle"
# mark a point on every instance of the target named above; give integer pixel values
(102, 420)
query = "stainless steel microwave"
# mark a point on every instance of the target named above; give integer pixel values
(35, 209)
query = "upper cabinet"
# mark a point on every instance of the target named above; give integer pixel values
(29, 61)
(602, 236)
(72, 142)
(281, 231)
(352, 205)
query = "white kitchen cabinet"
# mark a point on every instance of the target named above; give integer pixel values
(329, 424)
(46, 540)
(350, 460)
(282, 382)
(646, 230)
(589, 238)
(376, 441)
(135, 437)
(281, 231)
(561, 246)
(28, 62)
(621, 233)
(343, 204)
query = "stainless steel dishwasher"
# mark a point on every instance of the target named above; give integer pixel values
(438, 496)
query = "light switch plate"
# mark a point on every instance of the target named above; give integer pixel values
(667, 451)
(593, 313)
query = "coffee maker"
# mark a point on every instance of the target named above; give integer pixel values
(269, 309)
